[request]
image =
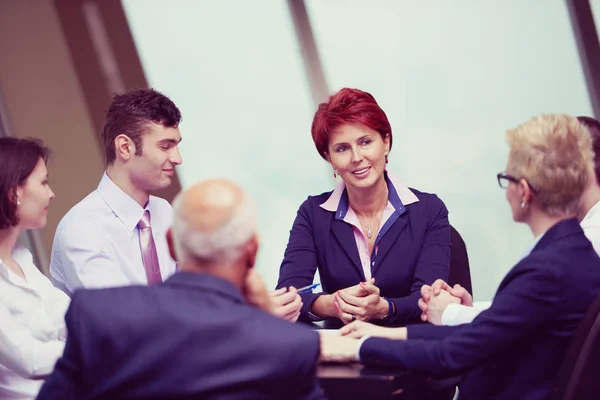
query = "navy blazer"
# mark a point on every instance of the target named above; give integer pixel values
(414, 250)
(514, 349)
(193, 336)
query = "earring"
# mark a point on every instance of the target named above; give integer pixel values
(523, 204)
(386, 159)
(334, 174)
(18, 202)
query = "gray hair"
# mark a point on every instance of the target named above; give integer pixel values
(224, 244)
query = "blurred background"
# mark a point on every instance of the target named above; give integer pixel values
(248, 75)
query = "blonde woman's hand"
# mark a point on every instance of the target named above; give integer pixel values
(359, 329)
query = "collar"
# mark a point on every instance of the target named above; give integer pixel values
(591, 215)
(532, 246)
(558, 231)
(399, 195)
(22, 256)
(124, 207)
(206, 283)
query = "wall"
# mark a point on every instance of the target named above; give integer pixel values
(43, 99)
(452, 78)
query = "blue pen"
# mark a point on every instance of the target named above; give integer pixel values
(308, 288)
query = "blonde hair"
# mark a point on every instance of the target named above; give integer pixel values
(553, 152)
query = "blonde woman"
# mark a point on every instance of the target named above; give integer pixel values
(515, 348)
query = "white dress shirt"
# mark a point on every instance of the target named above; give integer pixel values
(591, 226)
(32, 328)
(456, 314)
(97, 242)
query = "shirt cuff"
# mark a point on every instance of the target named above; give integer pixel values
(456, 314)
(482, 305)
(360, 343)
(305, 312)
(314, 317)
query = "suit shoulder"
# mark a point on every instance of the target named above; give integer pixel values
(317, 199)
(285, 337)
(99, 302)
(299, 330)
(539, 263)
(430, 198)
(560, 257)
(430, 203)
(313, 203)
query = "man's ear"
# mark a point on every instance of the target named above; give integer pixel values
(251, 250)
(171, 245)
(124, 147)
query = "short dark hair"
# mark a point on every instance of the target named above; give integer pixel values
(593, 127)
(19, 158)
(130, 112)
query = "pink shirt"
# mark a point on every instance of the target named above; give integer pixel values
(399, 195)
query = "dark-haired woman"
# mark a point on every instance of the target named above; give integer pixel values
(32, 328)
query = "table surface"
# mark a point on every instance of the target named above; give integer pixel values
(353, 380)
(343, 380)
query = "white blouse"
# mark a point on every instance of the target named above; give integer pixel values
(32, 327)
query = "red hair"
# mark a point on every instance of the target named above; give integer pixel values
(344, 107)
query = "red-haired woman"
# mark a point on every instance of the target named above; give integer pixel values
(374, 241)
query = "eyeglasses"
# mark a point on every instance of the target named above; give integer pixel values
(503, 180)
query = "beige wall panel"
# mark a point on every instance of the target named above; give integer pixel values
(43, 99)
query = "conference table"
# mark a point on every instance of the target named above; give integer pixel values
(355, 381)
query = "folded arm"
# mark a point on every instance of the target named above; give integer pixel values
(66, 379)
(518, 310)
(23, 353)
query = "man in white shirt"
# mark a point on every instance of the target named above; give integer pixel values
(445, 305)
(116, 235)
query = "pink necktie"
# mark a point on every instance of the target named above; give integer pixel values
(149, 255)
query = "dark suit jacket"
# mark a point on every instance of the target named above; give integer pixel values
(192, 337)
(414, 250)
(514, 349)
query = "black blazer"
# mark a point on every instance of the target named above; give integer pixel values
(414, 251)
(514, 349)
(192, 337)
